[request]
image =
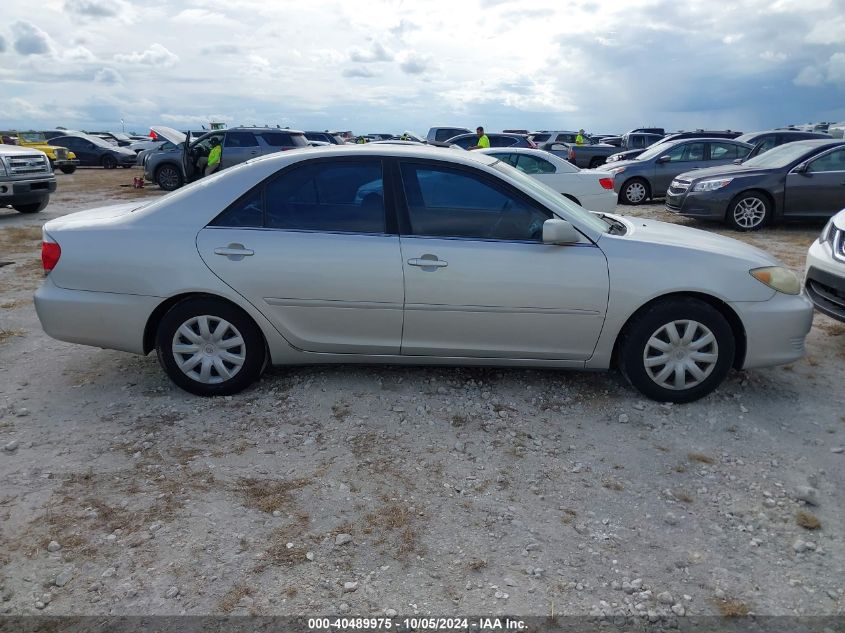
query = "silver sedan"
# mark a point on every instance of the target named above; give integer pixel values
(412, 255)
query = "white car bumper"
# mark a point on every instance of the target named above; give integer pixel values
(825, 281)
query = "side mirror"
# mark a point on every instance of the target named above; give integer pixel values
(800, 168)
(558, 231)
(737, 161)
(664, 159)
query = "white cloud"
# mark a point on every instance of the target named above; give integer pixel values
(836, 69)
(155, 55)
(2, 44)
(809, 76)
(196, 120)
(203, 17)
(358, 72)
(376, 53)
(414, 63)
(108, 76)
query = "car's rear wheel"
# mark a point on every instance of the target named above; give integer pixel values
(596, 162)
(634, 191)
(749, 211)
(108, 162)
(68, 169)
(209, 347)
(32, 207)
(168, 177)
(677, 350)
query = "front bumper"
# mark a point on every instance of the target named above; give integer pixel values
(65, 162)
(710, 205)
(775, 329)
(26, 190)
(825, 281)
(102, 319)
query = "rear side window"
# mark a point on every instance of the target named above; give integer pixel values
(541, 138)
(503, 141)
(285, 139)
(534, 165)
(446, 134)
(247, 212)
(240, 139)
(834, 161)
(328, 196)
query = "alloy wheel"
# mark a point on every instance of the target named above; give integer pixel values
(635, 192)
(749, 213)
(680, 354)
(208, 349)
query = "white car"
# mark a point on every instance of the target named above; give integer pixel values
(410, 255)
(825, 277)
(591, 188)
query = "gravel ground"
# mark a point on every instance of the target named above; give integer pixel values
(411, 490)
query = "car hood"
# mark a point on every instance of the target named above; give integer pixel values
(667, 234)
(169, 134)
(728, 171)
(91, 216)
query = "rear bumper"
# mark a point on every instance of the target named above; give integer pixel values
(101, 319)
(775, 329)
(602, 203)
(825, 281)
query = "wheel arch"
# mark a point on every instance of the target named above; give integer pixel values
(737, 328)
(151, 328)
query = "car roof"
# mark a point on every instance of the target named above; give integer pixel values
(410, 150)
(508, 134)
(679, 141)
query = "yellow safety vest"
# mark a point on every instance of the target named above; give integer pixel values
(214, 155)
(483, 141)
(579, 140)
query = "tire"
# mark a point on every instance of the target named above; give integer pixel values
(32, 207)
(180, 342)
(749, 211)
(108, 162)
(168, 177)
(596, 162)
(68, 169)
(127, 166)
(647, 340)
(635, 191)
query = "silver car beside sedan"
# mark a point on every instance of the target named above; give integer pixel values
(411, 255)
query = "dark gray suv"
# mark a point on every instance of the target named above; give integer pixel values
(181, 161)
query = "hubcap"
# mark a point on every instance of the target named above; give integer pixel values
(635, 192)
(680, 355)
(208, 349)
(749, 212)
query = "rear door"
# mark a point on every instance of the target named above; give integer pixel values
(315, 249)
(238, 147)
(820, 190)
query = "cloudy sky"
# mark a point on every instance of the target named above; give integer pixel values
(390, 65)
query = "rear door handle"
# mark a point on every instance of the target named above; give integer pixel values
(235, 252)
(427, 263)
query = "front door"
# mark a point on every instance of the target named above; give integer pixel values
(819, 191)
(311, 250)
(238, 147)
(478, 280)
(683, 157)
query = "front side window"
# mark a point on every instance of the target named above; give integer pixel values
(240, 139)
(834, 161)
(686, 152)
(328, 196)
(724, 151)
(447, 202)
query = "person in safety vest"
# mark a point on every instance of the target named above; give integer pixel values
(580, 140)
(214, 155)
(483, 140)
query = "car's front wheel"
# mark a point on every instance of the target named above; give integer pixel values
(634, 191)
(168, 177)
(749, 211)
(209, 347)
(32, 207)
(68, 169)
(677, 350)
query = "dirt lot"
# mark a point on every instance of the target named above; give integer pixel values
(411, 490)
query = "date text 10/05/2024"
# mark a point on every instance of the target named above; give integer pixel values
(479, 625)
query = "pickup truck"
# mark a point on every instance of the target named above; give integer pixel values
(592, 156)
(26, 179)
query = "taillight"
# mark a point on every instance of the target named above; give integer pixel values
(607, 183)
(571, 154)
(50, 253)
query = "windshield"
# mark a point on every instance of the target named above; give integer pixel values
(778, 156)
(552, 198)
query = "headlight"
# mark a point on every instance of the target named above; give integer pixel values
(778, 278)
(827, 232)
(711, 185)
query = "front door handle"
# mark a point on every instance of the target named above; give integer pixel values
(428, 261)
(235, 252)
